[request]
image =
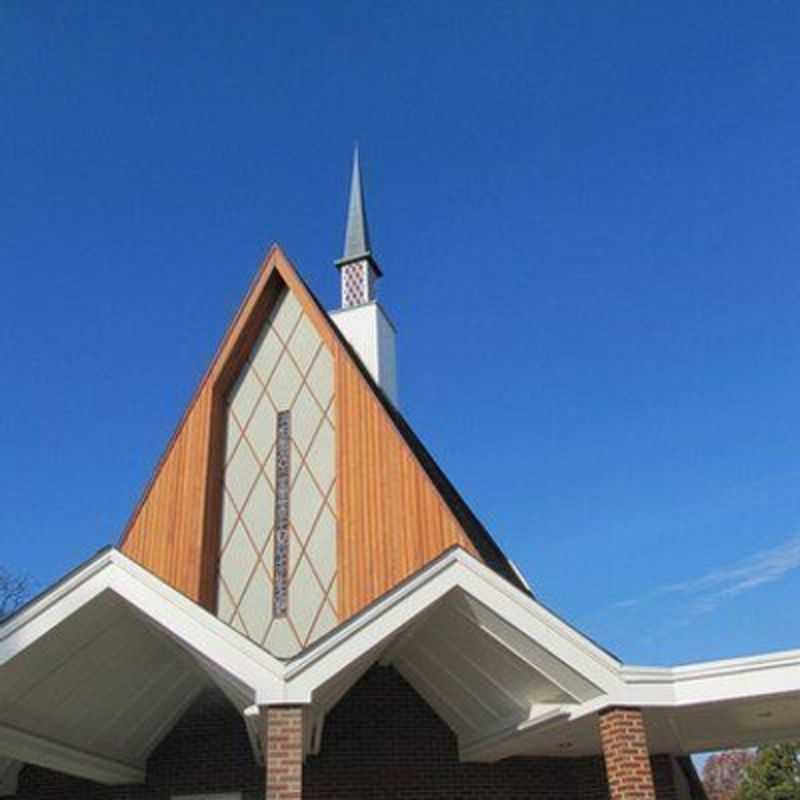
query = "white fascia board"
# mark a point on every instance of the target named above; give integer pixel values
(455, 570)
(30, 749)
(187, 623)
(262, 679)
(67, 590)
(714, 681)
(366, 632)
(46, 614)
(513, 603)
(522, 579)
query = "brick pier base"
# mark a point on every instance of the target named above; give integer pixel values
(624, 740)
(282, 735)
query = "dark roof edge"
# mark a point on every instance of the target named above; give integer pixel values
(488, 549)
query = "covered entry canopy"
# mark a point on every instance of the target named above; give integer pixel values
(96, 672)
(511, 678)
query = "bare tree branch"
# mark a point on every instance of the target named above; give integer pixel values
(14, 591)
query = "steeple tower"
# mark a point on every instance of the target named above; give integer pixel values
(357, 266)
(361, 319)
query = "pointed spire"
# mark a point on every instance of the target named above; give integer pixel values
(356, 239)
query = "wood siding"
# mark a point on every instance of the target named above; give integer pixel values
(165, 534)
(392, 519)
(174, 530)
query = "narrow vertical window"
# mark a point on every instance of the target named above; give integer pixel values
(283, 452)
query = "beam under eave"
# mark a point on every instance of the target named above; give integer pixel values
(252, 722)
(516, 652)
(32, 749)
(9, 772)
(481, 748)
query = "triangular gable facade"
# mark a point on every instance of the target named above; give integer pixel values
(367, 505)
(336, 594)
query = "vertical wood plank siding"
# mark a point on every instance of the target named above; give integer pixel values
(392, 519)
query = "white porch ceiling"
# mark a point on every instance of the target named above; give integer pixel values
(95, 673)
(483, 677)
(104, 683)
(715, 726)
(510, 678)
(462, 662)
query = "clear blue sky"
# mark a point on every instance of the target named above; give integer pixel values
(587, 216)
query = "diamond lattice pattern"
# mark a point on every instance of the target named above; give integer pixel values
(353, 289)
(290, 368)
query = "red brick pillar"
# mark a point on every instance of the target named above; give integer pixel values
(282, 737)
(627, 758)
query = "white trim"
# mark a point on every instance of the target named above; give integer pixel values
(242, 669)
(385, 628)
(30, 749)
(713, 681)
(251, 677)
(539, 717)
(522, 579)
(192, 627)
(456, 570)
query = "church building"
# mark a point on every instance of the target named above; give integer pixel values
(302, 605)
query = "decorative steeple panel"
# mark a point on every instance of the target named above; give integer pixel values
(278, 563)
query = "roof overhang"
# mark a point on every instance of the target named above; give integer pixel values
(482, 653)
(95, 672)
(512, 678)
(506, 674)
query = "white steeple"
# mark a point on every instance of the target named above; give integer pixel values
(361, 318)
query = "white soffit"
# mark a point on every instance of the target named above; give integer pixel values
(97, 671)
(485, 609)
(507, 675)
(741, 723)
(477, 675)
(511, 678)
(194, 629)
(486, 657)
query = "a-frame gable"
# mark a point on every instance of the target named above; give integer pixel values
(174, 530)
(394, 509)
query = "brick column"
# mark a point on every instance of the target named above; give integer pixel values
(622, 734)
(282, 737)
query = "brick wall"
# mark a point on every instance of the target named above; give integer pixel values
(624, 741)
(382, 742)
(282, 735)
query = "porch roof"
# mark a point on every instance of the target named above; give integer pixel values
(512, 678)
(96, 671)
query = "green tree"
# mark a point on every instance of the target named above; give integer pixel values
(774, 774)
